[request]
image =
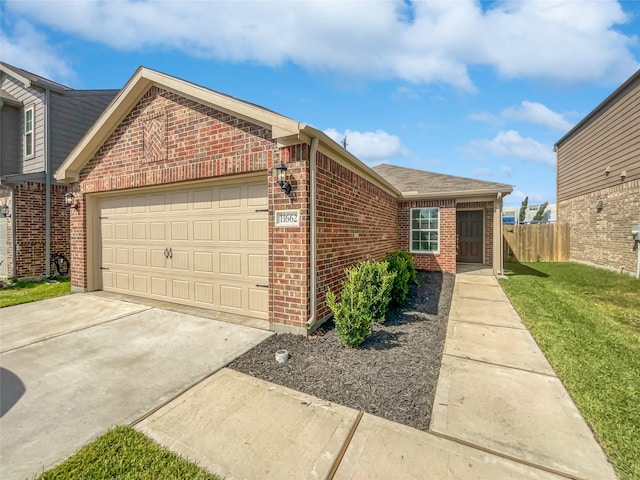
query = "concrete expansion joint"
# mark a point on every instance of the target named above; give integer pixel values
(461, 320)
(464, 357)
(345, 445)
(474, 297)
(506, 456)
(58, 335)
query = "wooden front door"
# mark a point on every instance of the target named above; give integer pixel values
(469, 236)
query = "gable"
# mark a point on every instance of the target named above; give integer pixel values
(166, 132)
(141, 82)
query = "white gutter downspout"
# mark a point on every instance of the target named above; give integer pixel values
(47, 175)
(313, 260)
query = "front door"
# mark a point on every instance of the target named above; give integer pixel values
(469, 236)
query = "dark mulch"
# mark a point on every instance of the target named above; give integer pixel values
(392, 375)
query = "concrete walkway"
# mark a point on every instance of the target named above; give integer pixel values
(500, 413)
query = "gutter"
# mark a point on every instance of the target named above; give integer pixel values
(313, 260)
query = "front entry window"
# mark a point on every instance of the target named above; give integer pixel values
(425, 230)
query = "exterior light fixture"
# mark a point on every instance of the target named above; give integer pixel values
(4, 210)
(281, 175)
(599, 205)
(69, 201)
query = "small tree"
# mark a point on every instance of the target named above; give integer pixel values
(540, 213)
(523, 210)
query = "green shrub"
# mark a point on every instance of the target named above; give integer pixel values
(401, 262)
(366, 294)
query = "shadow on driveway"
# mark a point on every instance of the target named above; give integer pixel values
(11, 390)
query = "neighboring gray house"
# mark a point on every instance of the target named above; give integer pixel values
(40, 123)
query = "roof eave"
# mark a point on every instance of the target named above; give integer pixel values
(457, 194)
(360, 167)
(602, 106)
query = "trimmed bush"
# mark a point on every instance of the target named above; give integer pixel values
(401, 262)
(366, 294)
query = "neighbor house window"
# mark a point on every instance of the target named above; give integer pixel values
(425, 230)
(28, 132)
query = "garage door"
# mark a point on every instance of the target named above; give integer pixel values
(201, 246)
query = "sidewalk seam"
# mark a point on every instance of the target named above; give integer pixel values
(500, 365)
(345, 445)
(506, 456)
(523, 327)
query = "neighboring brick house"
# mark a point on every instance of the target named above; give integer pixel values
(178, 199)
(40, 122)
(599, 181)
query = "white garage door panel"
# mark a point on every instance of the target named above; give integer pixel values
(206, 246)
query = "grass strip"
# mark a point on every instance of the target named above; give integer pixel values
(25, 292)
(587, 322)
(124, 453)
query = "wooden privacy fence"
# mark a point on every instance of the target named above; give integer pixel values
(537, 242)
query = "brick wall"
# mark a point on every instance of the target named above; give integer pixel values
(30, 226)
(604, 237)
(487, 211)
(446, 259)
(289, 247)
(356, 220)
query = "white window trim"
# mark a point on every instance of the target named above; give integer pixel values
(32, 132)
(424, 252)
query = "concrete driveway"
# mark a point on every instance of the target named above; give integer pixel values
(72, 367)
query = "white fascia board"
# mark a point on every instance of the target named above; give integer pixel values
(330, 147)
(12, 73)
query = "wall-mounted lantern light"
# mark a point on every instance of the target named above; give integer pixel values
(281, 175)
(4, 210)
(599, 205)
(69, 201)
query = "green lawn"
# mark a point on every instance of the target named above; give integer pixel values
(587, 322)
(24, 292)
(124, 453)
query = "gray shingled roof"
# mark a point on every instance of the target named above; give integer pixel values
(412, 182)
(36, 79)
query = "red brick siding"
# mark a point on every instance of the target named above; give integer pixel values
(30, 225)
(446, 259)
(487, 209)
(356, 220)
(200, 143)
(604, 237)
(289, 247)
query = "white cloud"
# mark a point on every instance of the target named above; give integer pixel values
(420, 42)
(485, 117)
(370, 147)
(538, 113)
(484, 173)
(510, 144)
(527, 111)
(28, 49)
(517, 196)
(508, 171)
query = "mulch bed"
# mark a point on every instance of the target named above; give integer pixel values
(393, 374)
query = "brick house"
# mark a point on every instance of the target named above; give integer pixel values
(40, 122)
(177, 198)
(598, 181)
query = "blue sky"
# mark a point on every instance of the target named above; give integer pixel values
(476, 89)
